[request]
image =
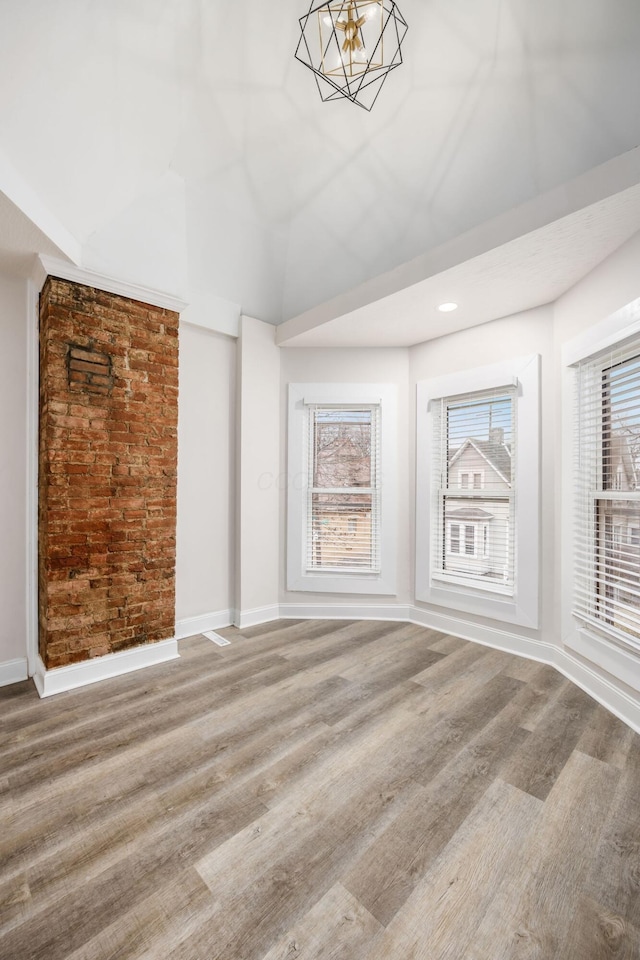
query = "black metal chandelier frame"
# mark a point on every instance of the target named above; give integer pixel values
(340, 84)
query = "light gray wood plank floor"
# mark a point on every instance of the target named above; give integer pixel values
(324, 789)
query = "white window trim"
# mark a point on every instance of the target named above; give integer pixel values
(522, 606)
(576, 635)
(301, 395)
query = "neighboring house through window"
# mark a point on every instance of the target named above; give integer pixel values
(471, 431)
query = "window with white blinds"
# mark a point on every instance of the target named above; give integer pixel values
(607, 530)
(342, 504)
(343, 489)
(473, 496)
(478, 491)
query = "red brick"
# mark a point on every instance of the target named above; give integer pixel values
(107, 475)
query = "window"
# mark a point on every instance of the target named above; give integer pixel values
(344, 477)
(474, 480)
(341, 488)
(607, 596)
(470, 541)
(454, 538)
(477, 503)
(470, 430)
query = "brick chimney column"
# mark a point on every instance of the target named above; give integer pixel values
(107, 473)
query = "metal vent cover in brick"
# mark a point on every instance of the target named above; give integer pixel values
(89, 370)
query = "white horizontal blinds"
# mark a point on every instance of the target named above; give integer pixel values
(474, 495)
(343, 490)
(607, 544)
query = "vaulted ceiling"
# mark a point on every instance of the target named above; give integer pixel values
(282, 202)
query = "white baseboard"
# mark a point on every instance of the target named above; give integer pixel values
(487, 636)
(617, 701)
(601, 688)
(13, 671)
(61, 679)
(344, 611)
(208, 621)
(253, 618)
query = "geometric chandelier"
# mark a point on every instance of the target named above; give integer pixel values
(352, 46)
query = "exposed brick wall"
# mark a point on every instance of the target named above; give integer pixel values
(107, 488)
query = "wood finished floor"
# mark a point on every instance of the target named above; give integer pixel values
(344, 791)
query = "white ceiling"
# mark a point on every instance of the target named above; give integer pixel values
(290, 202)
(527, 272)
(20, 238)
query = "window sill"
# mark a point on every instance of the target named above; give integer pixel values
(472, 586)
(342, 582)
(482, 603)
(614, 639)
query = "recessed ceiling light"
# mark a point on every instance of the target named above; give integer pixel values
(447, 307)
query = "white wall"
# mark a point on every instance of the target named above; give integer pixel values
(13, 485)
(206, 476)
(309, 365)
(258, 513)
(611, 286)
